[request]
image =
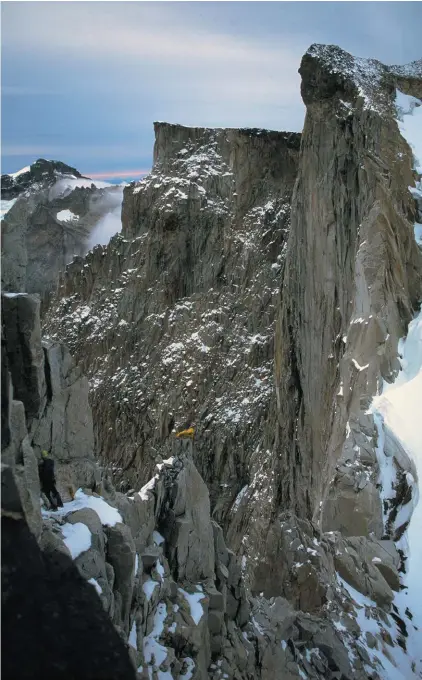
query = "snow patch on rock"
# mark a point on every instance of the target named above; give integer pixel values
(77, 538)
(66, 216)
(108, 515)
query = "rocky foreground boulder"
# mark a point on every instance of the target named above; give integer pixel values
(52, 212)
(53, 623)
(257, 292)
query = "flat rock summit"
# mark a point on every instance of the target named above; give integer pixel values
(261, 300)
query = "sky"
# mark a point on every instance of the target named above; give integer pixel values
(83, 82)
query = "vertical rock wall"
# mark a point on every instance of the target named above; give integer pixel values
(352, 279)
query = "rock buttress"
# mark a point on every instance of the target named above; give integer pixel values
(351, 283)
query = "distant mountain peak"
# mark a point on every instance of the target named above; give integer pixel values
(41, 171)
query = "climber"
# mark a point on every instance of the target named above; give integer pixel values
(48, 481)
(190, 432)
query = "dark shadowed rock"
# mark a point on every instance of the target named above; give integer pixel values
(53, 624)
(25, 358)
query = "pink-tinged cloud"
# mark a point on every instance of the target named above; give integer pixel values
(116, 174)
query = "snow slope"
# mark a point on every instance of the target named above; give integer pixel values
(5, 206)
(108, 515)
(20, 172)
(398, 406)
(409, 111)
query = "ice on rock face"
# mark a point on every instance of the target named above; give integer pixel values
(144, 493)
(190, 667)
(148, 587)
(96, 585)
(239, 497)
(154, 652)
(409, 112)
(132, 636)
(157, 538)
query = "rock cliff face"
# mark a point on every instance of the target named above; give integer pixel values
(352, 281)
(350, 286)
(187, 326)
(258, 291)
(51, 211)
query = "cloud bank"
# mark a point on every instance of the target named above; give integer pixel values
(111, 223)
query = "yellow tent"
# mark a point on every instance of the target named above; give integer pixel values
(186, 433)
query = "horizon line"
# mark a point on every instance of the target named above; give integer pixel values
(116, 174)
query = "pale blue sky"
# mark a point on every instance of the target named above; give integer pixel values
(82, 82)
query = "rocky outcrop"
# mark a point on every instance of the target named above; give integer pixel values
(49, 406)
(25, 357)
(53, 211)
